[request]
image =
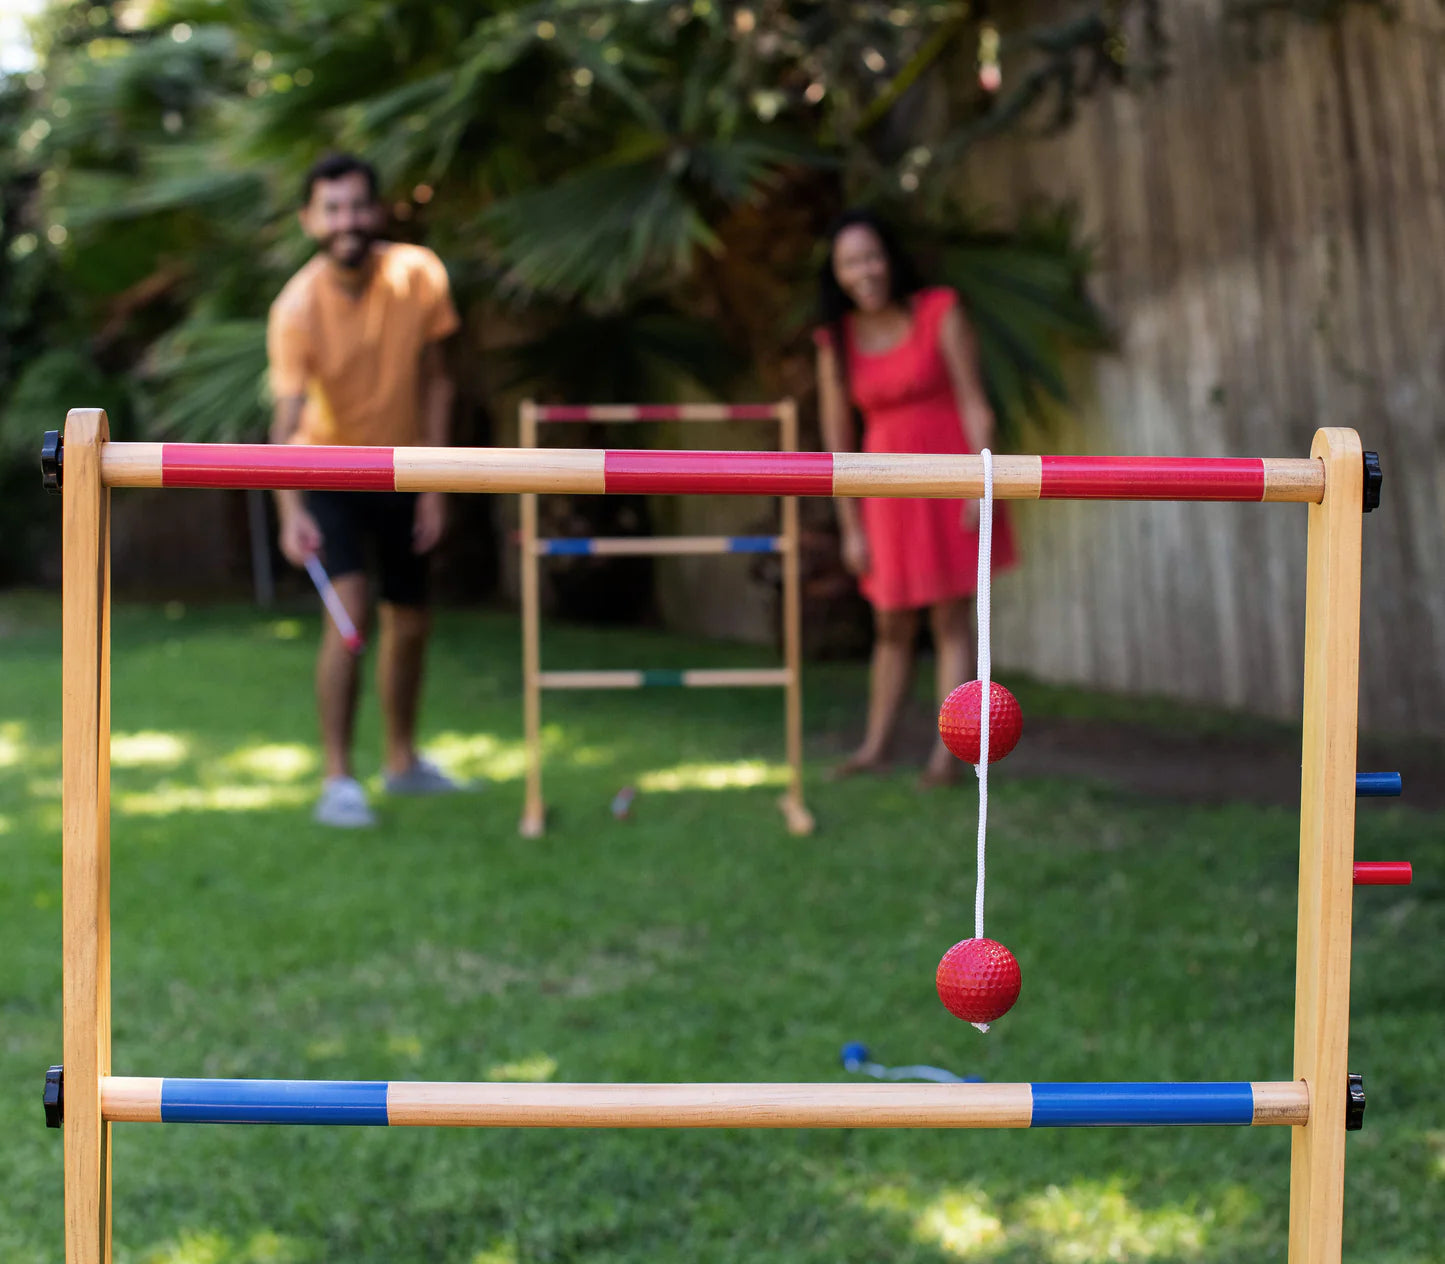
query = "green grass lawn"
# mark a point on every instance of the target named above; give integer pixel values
(696, 941)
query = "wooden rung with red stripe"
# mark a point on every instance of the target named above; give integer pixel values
(659, 412)
(592, 471)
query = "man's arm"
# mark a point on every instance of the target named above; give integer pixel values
(300, 536)
(437, 396)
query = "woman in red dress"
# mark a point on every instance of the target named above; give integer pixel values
(903, 355)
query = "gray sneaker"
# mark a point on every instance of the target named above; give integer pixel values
(343, 804)
(423, 777)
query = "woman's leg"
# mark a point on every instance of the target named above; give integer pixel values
(894, 632)
(954, 662)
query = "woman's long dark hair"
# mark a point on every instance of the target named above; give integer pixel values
(834, 304)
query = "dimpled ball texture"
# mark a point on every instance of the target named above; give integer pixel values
(958, 721)
(978, 980)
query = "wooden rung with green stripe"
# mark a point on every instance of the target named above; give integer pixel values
(668, 678)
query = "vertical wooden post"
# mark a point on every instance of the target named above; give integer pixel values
(799, 819)
(534, 817)
(85, 815)
(1327, 841)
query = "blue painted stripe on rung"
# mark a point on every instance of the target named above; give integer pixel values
(357, 1102)
(661, 677)
(1087, 1105)
(567, 547)
(1378, 785)
(753, 544)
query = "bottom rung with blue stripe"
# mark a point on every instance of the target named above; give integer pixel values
(883, 1105)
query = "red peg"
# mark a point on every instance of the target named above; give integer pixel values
(978, 980)
(1383, 873)
(958, 721)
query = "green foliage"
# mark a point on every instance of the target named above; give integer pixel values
(1026, 294)
(647, 352)
(583, 157)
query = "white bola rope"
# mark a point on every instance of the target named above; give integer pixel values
(985, 668)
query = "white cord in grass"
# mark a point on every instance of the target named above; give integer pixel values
(985, 668)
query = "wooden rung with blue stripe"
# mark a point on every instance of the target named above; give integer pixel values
(668, 678)
(968, 1105)
(656, 546)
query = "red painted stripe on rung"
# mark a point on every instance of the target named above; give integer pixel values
(741, 473)
(277, 467)
(653, 412)
(1151, 478)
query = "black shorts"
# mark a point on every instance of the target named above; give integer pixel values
(354, 524)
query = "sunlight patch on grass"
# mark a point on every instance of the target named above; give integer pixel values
(1436, 1143)
(739, 774)
(273, 761)
(210, 1247)
(1091, 1222)
(593, 756)
(168, 800)
(12, 743)
(961, 1221)
(404, 1044)
(498, 1253)
(470, 755)
(148, 750)
(537, 1069)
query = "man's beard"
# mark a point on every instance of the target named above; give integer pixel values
(353, 254)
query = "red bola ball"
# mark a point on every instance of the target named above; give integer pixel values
(958, 721)
(978, 980)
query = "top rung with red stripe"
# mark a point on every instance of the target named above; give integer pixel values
(659, 412)
(592, 471)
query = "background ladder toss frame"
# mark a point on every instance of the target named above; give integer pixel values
(790, 676)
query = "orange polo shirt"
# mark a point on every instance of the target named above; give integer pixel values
(357, 357)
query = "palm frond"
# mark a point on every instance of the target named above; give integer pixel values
(1025, 296)
(650, 351)
(206, 380)
(593, 236)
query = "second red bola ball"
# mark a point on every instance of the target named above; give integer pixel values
(959, 727)
(978, 980)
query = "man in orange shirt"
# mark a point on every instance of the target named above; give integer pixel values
(354, 345)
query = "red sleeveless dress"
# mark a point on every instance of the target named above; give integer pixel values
(921, 552)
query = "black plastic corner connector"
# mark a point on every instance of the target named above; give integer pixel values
(52, 461)
(1374, 477)
(55, 1097)
(1355, 1104)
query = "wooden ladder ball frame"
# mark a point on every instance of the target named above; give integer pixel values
(784, 413)
(1331, 482)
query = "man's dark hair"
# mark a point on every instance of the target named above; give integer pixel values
(334, 167)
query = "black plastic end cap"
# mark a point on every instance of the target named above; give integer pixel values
(55, 1097)
(52, 461)
(1355, 1104)
(1374, 477)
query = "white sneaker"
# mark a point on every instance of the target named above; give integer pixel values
(343, 804)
